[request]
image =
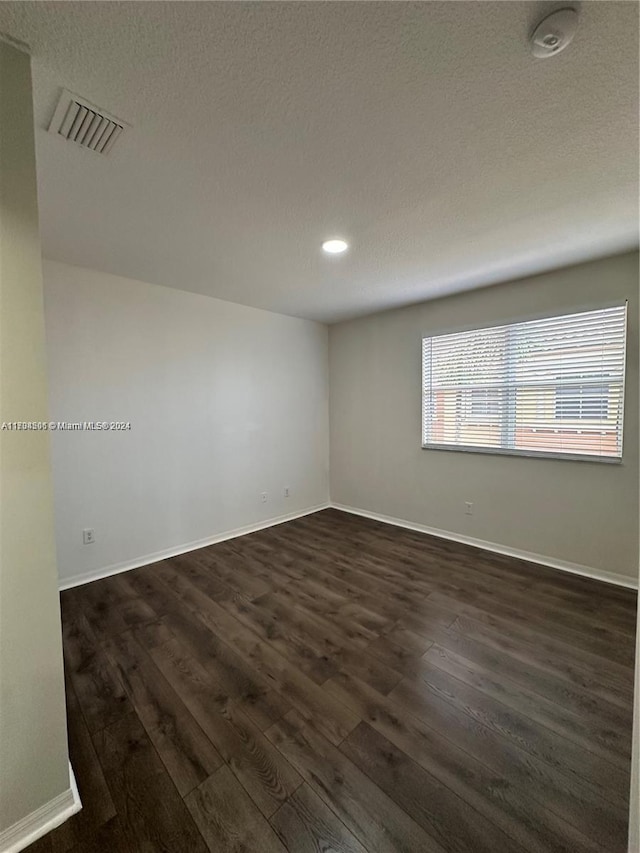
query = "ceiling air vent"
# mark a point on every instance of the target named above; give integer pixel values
(85, 124)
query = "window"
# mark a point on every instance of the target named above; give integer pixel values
(549, 387)
(484, 403)
(583, 402)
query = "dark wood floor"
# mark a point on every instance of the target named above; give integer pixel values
(335, 684)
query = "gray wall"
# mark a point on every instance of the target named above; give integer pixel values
(33, 744)
(578, 512)
(225, 402)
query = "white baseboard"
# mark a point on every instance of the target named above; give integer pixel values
(144, 560)
(529, 556)
(42, 820)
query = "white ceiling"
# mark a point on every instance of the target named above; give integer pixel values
(425, 133)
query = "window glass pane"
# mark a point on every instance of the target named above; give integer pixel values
(551, 385)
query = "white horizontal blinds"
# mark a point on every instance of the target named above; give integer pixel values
(552, 385)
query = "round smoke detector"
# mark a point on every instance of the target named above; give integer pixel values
(554, 33)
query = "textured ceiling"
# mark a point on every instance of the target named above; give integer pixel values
(425, 133)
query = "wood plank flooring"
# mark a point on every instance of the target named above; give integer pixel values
(336, 684)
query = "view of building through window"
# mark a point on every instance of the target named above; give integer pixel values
(554, 385)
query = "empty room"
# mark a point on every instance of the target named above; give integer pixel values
(319, 427)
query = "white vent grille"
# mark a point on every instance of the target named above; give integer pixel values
(85, 124)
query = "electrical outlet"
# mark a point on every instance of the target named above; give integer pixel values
(88, 536)
(263, 497)
(468, 508)
(287, 491)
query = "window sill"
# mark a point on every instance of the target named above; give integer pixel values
(530, 454)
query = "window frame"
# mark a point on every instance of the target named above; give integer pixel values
(527, 453)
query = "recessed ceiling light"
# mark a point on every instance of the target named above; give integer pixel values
(335, 247)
